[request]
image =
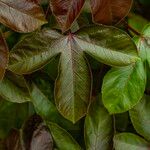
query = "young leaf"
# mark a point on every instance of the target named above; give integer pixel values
(62, 138)
(124, 141)
(123, 87)
(12, 115)
(13, 141)
(110, 11)
(140, 117)
(3, 56)
(98, 128)
(13, 88)
(36, 135)
(73, 85)
(21, 15)
(66, 11)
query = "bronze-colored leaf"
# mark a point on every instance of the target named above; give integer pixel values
(3, 56)
(21, 15)
(66, 11)
(36, 134)
(109, 11)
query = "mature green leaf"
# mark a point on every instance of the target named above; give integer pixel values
(143, 44)
(73, 84)
(3, 56)
(66, 11)
(62, 138)
(34, 51)
(98, 128)
(47, 110)
(108, 45)
(13, 88)
(110, 11)
(123, 87)
(140, 117)
(124, 141)
(12, 115)
(36, 135)
(21, 15)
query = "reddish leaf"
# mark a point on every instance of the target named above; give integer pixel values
(3, 56)
(66, 11)
(21, 15)
(110, 11)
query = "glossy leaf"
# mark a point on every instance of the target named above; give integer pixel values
(140, 117)
(13, 88)
(3, 56)
(62, 138)
(98, 128)
(12, 115)
(124, 141)
(34, 51)
(35, 134)
(73, 84)
(143, 44)
(21, 15)
(66, 11)
(108, 45)
(47, 110)
(110, 11)
(123, 87)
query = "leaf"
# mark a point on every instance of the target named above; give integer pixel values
(13, 141)
(3, 56)
(21, 15)
(108, 45)
(62, 139)
(13, 88)
(140, 117)
(12, 115)
(124, 141)
(66, 11)
(36, 135)
(98, 128)
(73, 84)
(123, 87)
(143, 44)
(45, 108)
(110, 12)
(34, 51)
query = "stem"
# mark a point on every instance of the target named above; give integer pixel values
(132, 29)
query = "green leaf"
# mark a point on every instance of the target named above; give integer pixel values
(3, 56)
(13, 88)
(137, 22)
(110, 12)
(66, 12)
(124, 141)
(21, 15)
(47, 110)
(108, 45)
(123, 87)
(140, 116)
(12, 115)
(34, 51)
(98, 128)
(143, 44)
(63, 140)
(73, 84)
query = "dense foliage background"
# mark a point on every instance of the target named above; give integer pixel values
(74, 74)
